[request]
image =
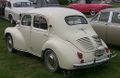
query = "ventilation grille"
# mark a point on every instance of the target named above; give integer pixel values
(86, 43)
(97, 40)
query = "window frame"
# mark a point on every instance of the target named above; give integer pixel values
(75, 16)
(23, 18)
(40, 16)
(108, 16)
(112, 18)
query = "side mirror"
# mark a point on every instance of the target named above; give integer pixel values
(18, 22)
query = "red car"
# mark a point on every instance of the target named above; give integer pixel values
(89, 6)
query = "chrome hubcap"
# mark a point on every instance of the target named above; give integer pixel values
(51, 61)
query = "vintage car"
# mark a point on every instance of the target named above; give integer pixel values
(107, 25)
(61, 36)
(14, 8)
(89, 6)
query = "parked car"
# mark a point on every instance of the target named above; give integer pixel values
(14, 8)
(2, 7)
(107, 24)
(89, 6)
(61, 36)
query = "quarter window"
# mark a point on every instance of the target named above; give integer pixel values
(104, 16)
(26, 21)
(40, 22)
(116, 17)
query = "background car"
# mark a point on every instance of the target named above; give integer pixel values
(2, 7)
(61, 36)
(89, 6)
(14, 8)
(107, 25)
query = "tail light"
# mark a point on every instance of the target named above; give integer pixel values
(106, 50)
(80, 56)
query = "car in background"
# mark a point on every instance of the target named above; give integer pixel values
(14, 8)
(61, 36)
(2, 7)
(89, 6)
(107, 25)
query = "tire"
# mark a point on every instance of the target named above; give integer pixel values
(92, 12)
(9, 43)
(51, 61)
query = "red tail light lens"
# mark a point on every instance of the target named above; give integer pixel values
(80, 55)
(81, 61)
(106, 50)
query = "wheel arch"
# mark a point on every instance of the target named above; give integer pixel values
(62, 49)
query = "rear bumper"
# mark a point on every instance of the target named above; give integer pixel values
(93, 63)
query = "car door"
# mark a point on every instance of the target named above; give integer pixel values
(100, 24)
(39, 34)
(25, 28)
(113, 33)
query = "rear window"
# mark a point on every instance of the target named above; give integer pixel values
(116, 17)
(75, 20)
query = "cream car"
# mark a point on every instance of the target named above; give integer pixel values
(14, 8)
(61, 36)
(107, 25)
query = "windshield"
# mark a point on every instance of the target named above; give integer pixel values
(75, 20)
(22, 4)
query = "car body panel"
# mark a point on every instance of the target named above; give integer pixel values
(62, 38)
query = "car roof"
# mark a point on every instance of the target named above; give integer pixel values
(111, 9)
(55, 12)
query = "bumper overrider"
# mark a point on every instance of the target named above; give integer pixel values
(93, 63)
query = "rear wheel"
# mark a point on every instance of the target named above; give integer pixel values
(51, 61)
(9, 43)
(92, 12)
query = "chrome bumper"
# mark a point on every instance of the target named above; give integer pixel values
(92, 63)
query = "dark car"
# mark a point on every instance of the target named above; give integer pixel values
(2, 7)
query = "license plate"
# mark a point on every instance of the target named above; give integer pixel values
(99, 53)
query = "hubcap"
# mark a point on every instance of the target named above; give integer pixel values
(51, 61)
(92, 13)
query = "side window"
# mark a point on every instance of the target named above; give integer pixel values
(104, 16)
(95, 18)
(26, 20)
(40, 22)
(8, 4)
(116, 17)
